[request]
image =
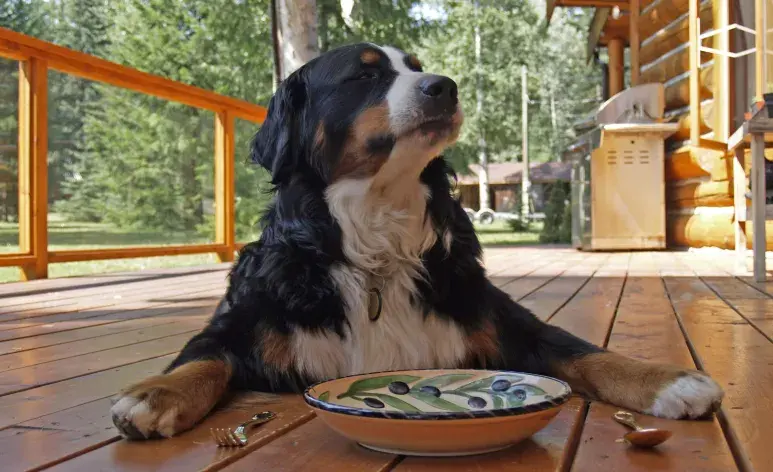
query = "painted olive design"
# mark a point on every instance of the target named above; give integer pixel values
(520, 394)
(430, 390)
(399, 388)
(373, 402)
(476, 402)
(500, 385)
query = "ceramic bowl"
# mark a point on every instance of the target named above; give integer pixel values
(438, 412)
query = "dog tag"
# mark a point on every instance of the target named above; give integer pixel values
(374, 304)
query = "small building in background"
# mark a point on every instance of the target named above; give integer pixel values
(505, 184)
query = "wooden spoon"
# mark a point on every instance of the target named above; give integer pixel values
(641, 437)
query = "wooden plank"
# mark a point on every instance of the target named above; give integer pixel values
(19, 380)
(225, 192)
(551, 297)
(191, 294)
(80, 320)
(43, 287)
(673, 35)
(93, 68)
(33, 166)
(313, 446)
(194, 450)
(24, 406)
(538, 278)
(754, 306)
(93, 333)
(589, 315)
(19, 360)
(739, 358)
(149, 291)
(646, 328)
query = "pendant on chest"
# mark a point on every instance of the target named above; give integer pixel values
(375, 304)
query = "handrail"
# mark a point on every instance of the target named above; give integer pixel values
(21, 47)
(36, 57)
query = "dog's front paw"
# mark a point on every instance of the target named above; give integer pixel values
(690, 395)
(168, 404)
(147, 410)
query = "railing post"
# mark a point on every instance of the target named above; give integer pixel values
(695, 60)
(33, 166)
(761, 52)
(225, 190)
(635, 42)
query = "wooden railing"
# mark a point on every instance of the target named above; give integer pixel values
(36, 57)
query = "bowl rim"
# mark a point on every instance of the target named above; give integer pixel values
(449, 415)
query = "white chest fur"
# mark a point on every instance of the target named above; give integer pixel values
(383, 246)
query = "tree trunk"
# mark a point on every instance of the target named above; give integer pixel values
(295, 34)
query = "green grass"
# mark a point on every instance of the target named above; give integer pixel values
(499, 234)
(77, 235)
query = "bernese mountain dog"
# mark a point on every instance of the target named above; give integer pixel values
(367, 263)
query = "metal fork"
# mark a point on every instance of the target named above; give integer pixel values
(237, 437)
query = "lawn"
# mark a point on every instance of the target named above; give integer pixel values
(76, 235)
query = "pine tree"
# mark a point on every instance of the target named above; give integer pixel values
(28, 17)
(82, 25)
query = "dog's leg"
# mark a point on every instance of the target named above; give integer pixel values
(525, 343)
(190, 387)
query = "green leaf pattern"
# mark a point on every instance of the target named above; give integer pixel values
(369, 387)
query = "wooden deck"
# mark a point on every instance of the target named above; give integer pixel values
(67, 345)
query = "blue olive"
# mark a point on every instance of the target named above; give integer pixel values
(399, 388)
(500, 385)
(434, 391)
(373, 402)
(520, 394)
(476, 402)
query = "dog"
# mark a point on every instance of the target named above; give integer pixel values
(363, 210)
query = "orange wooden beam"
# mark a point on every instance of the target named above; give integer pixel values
(225, 191)
(33, 166)
(19, 47)
(77, 255)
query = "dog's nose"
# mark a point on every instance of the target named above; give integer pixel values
(439, 87)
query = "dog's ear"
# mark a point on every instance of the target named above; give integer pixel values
(276, 145)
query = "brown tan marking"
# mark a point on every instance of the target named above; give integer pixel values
(618, 379)
(276, 350)
(414, 62)
(369, 56)
(482, 346)
(189, 392)
(356, 160)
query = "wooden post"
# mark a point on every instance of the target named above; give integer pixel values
(723, 90)
(616, 66)
(761, 49)
(695, 97)
(758, 205)
(525, 180)
(739, 202)
(635, 43)
(225, 190)
(33, 166)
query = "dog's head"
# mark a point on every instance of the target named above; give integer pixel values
(359, 111)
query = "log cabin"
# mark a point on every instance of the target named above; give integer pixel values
(711, 57)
